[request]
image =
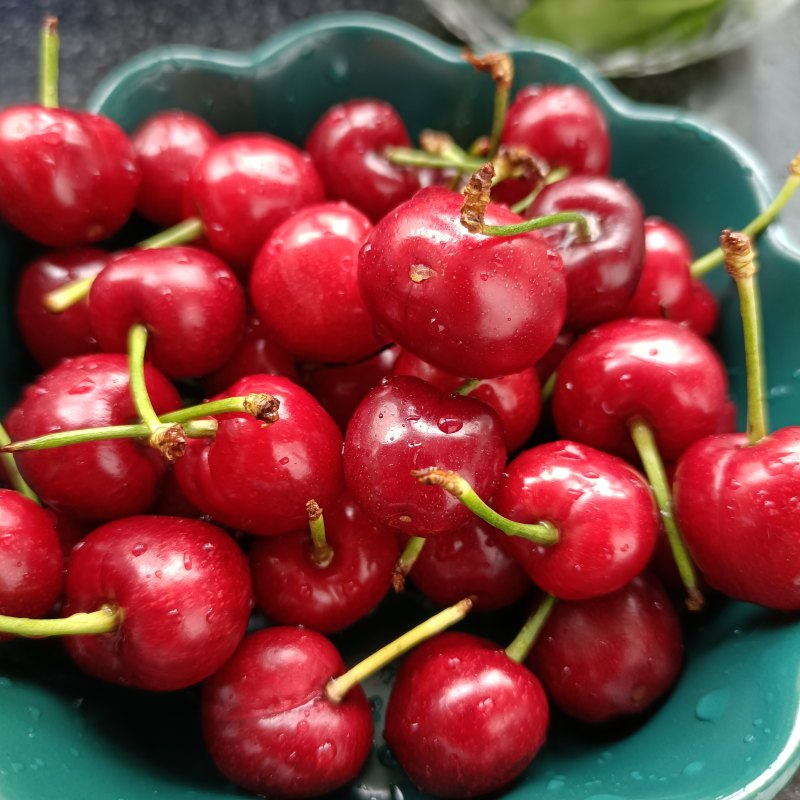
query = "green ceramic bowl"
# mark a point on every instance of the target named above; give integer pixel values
(731, 728)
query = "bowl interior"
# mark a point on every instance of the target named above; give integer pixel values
(730, 729)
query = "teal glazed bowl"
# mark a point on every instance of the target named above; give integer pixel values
(730, 729)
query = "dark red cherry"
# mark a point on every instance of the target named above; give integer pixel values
(293, 589)
(602, 507)
(602, 273)
(304, 285)
(739, 509)
(463, 719)
(346, 146)
(244, 187)
(405, 424)
(654, 369)
(269, 726)
(168, 145)
(97, 480)
(258, 478)
(183, 587)
(549, 362)
(50, 337)
(470, 304)
(172, 501)
(704, 311)
(192, 304)
(610, 656)
(31, 563)
(66, 178)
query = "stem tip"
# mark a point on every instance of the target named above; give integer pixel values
(169, 440)
(739, 254)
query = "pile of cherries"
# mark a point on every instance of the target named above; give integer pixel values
(374, 325)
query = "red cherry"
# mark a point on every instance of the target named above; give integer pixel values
(172, 501)
(739, 508)
(244, 187)
(602, 507)
(464, 719)
(50, 337)
(405, 424)
(192, 304)
(472, 305)
(304, 285)
(346, 146)
(549, 362)
(168, 145)
(98, 480)
(704, 311)
(610, 656)
(183, 588)
(66, 178)
(268, 725)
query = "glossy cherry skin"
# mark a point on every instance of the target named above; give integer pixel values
(470, 304)
(66, 178)
(405, 424)
(463, 719)
(258, 478)
(602, 273)
(704, 312)
(516, 398)
(269, 727)
(50, 337)
(602, 507)
(649, 368)
(31, 562)
(292, 589)
(739, 510)
(168, 146)
(256, 354)
(549, 362)
(347, 147)
(611, 656)
(244, 187)
(468, 562)
(192, 304)
(95, 481)
(185, 593)
(304, 285)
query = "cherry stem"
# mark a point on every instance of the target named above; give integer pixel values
(524, 641)
(544, 533)
(106, 619)
(337, 688)
(409, 157)
(547, 388)
(537, 223)
(741, 264)
(715, 257)
(645, 444)
(468, 387)
(406, 561)
(12, 470)
(322, 554)
(263, 407)
(48, 63)
(500, 67)
(555, 175)
(70, 293)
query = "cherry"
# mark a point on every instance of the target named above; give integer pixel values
(704, 311)
(295, 587)
(182, 589)
(602, 272)
(100, 480)
(405, 424)
(190, 301)
(548, 363)
(304, 285)
(244, 187)
(463, 718)
(258, 478)
(472, 305)
(172, 501)
(610, 656)
(346, 146)
(50, 337)
(516, 398)
(168, 145)
(269, 726)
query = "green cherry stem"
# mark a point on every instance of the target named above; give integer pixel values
(468, 387)
(555, 175)
(547, 388)
(322, 552)
(48, 63)
(14, 475)
(406, 561)
(537, 223)
(524, 641)
(106, 619)
(646, 447)
(408, 157)
(741, 264)
(337, 688)
(500, 68)
(263, 407)
(541, 532)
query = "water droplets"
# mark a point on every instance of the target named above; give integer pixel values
(138, 549)
(449, 424)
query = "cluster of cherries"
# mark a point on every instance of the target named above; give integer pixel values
(374, 335)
